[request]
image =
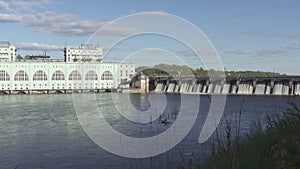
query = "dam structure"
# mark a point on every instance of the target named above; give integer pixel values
(289, 85)
(81, 69)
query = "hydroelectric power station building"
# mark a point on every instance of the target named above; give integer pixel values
(81, 69)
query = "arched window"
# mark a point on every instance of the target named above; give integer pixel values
(75, 75)
(4, 76)
(106, 76)
(58, 75)
(39, 76)
(21, 76)
(91, 75)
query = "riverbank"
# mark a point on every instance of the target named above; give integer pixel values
(55, 91)
(278, 147)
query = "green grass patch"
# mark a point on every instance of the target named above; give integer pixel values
(278, 147)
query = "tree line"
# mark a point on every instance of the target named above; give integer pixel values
(183, 70)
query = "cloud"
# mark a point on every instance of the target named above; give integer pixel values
(249, 33)
(256, 52)
(76, 28)
(61, 24)
(10, 18)
(259, 33)
(29, 5)
(268, 52)
(116, 29)
(64, 24)
(38, 46)
(202, 52)
(3, 5)
(297, 35)
(68, 25)
(292, 47)
(269, 34)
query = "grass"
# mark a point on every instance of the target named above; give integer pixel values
(278, 147)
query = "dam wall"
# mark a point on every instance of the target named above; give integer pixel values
(230, 85)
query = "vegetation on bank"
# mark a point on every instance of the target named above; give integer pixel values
(183, 70)
(278, 147)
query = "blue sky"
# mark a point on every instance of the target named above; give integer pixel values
(248, 35)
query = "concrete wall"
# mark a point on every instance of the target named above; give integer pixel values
(30, 68)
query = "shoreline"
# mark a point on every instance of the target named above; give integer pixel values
(128, 91)
(46, 92)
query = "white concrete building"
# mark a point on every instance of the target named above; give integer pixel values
(83, 53)
(126, 72)
(58, 75)
(7, 52)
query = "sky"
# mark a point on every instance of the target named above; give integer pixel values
(247, 35)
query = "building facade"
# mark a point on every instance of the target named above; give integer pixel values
(126, 72)
(61, 75)
(83, 53)
(82, 74)
(7, 52)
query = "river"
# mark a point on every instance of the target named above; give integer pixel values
(43, 131)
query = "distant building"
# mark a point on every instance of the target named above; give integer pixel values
(126, 72)
(43, 73)
(7, 52)
(83, 53)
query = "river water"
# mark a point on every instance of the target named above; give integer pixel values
(43, 131)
